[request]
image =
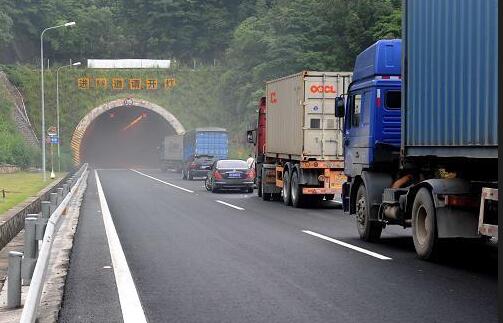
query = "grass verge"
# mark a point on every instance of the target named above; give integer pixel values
(19, 186)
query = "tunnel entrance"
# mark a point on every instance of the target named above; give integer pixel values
(123, 134)
(125, 137)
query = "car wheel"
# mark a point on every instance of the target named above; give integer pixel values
(214, 188)
(367, 229)
(424, 225)
(207, 184)
(287, 200)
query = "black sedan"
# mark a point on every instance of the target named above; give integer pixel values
(230, 175)
(197, 166)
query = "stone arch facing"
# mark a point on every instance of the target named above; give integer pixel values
(80, 130)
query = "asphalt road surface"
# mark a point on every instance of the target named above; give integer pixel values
(195, 256)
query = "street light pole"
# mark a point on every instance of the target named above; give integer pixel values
(68, 24)
(57, 109)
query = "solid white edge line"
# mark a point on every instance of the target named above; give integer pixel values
(230, 205)
(161, 181)
(347, 245)
(132, 310)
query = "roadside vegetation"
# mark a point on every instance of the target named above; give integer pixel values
(19, 186)
(223, 51)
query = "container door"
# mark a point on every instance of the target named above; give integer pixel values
(322, 131)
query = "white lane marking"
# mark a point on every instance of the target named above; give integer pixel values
(347, 245)
(161, 181)
(131, 308)
(230, 205)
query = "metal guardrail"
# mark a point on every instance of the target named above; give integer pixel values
(32, 268)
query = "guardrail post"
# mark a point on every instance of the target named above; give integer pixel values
(14, 279)
(30, 250)
(61, 194)
(46, 209)
(53, 197)
(40, 227)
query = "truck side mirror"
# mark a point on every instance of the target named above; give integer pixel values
(250, 138)
(339, 107)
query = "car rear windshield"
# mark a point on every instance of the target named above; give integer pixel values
(204, 158)
(232, 164)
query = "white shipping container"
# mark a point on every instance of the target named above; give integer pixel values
(300, 116)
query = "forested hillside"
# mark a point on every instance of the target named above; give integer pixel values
(240, 43)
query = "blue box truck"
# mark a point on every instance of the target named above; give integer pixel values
(201, 147)
(420, 127)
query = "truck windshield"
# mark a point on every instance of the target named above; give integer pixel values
(393, 99)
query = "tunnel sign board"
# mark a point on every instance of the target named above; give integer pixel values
(54, 140)
(119, 83)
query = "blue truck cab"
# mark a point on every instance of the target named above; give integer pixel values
(372, 118)
(372, 113)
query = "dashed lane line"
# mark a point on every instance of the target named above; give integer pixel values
(161, 181)
(347, 245)
(230, 205)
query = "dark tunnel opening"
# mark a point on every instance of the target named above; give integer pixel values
(125, 137)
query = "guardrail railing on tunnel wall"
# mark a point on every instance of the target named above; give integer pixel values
(30, 267)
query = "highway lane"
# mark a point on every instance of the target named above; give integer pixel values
(194, 259)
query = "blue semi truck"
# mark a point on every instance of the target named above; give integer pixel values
(420, 127)
(211, 141)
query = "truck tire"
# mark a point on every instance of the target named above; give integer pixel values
(329, 197)
(367, 229)
(287, 198)
(424, 225)
(296, 191)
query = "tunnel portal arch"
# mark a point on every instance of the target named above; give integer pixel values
(87, 120)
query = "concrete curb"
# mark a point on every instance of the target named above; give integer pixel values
(52, 295)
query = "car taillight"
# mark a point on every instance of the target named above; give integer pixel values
(250, 174)
(217, 175)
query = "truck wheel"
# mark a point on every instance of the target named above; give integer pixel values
(296, 195)
(424, 225)
(368, 230)
(329, 197)
(287, 199)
